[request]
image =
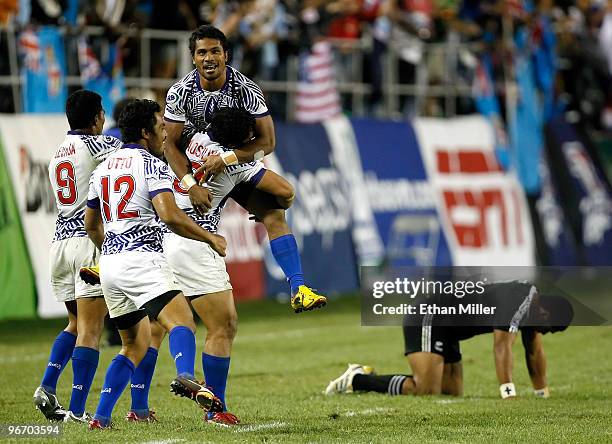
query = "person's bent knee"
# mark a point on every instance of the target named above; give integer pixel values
(224, 330)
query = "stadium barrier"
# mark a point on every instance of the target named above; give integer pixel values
(430, 192)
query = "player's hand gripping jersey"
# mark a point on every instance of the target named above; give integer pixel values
(123, 188)
(220, 185)
(69, 171)
(188, 103)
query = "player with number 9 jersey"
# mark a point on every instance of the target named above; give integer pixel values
(69, 171)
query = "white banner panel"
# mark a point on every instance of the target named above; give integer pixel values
(29, 141)
(368, 244)
(482, 208)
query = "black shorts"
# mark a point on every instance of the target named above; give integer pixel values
(432, 338)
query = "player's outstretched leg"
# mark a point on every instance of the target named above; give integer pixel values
(268, 202)
(141, 380)
(344, 382)
(135, 334)
(44, 397)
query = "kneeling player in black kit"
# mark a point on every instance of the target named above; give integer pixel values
(434, 355)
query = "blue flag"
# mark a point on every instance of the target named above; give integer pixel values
(108, 79)
(44, 71)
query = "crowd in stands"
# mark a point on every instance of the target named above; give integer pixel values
(437, 42)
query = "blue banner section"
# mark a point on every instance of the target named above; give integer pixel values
(44, 71)
(559, 242)
(587, 194)
(400, 194)
(320, 217)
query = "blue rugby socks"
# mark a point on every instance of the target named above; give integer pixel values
(285, 251)
(141, 383)
(61, 351)
(216, 369)
(183, 348)
(117, 377)
(84, 365)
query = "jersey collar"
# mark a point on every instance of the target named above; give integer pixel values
(134, 146)
(77, 133)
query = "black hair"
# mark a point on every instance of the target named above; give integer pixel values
(560, 313)
(207, 32)
(136, 116)
(231, 127)
(82, 108)
(119, 106)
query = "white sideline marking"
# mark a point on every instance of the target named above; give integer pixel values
(20, 358)
(366, 412)
(448, 401)
(165, 441)
(264, 426)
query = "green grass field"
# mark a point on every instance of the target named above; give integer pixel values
(282, 362)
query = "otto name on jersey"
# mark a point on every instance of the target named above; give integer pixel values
(123, 187)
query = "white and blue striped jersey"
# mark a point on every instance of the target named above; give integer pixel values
(188, 103)
(123, 187)
(220, 186)
(69, 171)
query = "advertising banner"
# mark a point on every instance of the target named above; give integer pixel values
(29, 142)
(368, 243)
(320, 217)
(585, 192)
(482, 209)
(401, 197)
(17, 289)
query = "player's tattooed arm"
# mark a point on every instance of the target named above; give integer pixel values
(181, 224)
(199, 196)
(535, 357)
(94, 227)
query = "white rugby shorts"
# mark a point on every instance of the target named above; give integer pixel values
(198, 268)
(67, 258)
(130, 279)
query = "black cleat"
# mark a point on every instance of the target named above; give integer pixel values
(189, 388)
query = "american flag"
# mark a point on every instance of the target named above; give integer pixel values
(317, 95)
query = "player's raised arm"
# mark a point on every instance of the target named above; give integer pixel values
(504, 361)
(535, 359)
(167, 210)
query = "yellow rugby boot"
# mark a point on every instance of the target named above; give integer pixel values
(90, 275)
(306, 299)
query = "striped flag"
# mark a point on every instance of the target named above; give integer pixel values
(317, 95)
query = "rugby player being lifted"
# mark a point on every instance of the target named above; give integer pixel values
(190, 104)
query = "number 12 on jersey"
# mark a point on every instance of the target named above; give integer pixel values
(125, 185)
